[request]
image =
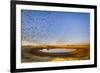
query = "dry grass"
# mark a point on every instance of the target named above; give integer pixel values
(56, 46)
(82, 53)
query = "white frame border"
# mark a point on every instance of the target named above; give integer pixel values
(20, 65)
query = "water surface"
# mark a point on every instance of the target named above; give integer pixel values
(58, 50)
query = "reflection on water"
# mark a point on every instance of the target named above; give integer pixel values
(57, 50)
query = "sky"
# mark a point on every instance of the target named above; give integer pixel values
(51, 27)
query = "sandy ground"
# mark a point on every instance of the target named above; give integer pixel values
(28, 56)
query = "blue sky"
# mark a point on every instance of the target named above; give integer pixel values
(49, 27)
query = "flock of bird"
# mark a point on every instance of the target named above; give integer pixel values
(35, 26)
